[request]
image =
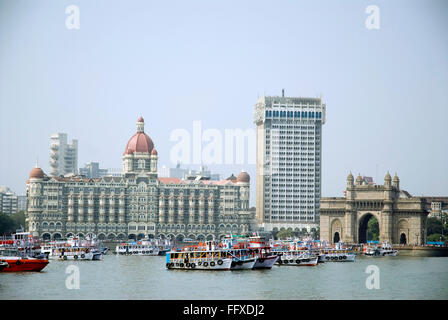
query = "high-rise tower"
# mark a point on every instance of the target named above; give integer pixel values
(63, 156)
(289, 145)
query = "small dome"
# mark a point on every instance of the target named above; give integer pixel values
(388, 177)
(154, 152)
(37, 173)
(243, 177)
(350, 177)
(140, 119)
(396, 178)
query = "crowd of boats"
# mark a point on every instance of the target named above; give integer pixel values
(22, 252)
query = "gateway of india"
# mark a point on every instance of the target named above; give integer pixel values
(138, 204)
(401, 217)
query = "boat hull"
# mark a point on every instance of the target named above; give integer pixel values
(24, 265)
(243, 264)
(298, 261)
(343, 257)
(266, 263)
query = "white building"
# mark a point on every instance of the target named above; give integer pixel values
(63, 156)
(8, 201)
(289, 144)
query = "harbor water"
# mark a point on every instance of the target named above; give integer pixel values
(144, 277)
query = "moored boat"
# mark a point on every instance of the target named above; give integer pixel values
(19, 263)
(199, 260)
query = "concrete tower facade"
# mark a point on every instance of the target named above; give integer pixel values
(289, 144)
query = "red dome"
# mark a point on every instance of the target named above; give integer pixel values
(140, 119)
(154, 152)
(140, 142)
(37, 173)
(243, 177)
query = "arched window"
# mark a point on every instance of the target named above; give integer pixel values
(141, 164)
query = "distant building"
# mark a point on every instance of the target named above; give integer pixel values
(63, 156)
(8, 201)
(436, 205)
(21, 203)
(188, 174)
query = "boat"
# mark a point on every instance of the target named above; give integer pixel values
(3, 265)
(199, 260)
(262, 251)
(385, 249)
(137, 248)
(16, 262)
(334, 255)
(76, 253)
(297, 258)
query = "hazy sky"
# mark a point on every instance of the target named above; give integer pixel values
(175, 62)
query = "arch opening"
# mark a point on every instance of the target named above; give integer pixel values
(369, 229)
(403, 238)
(336, 237)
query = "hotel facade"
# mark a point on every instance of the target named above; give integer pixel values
(139, 203)
(289, 153)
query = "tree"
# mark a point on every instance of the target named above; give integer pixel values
(435, 237)
(284, 234)
(10, 223)
(434, 226)
(373, 229)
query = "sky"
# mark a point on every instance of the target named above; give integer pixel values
(176, 62)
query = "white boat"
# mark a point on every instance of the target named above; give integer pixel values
(137, 249)
(297, 258)
(75, 253)
(199, 260)
(383, 250)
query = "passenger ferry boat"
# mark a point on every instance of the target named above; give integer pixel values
(12, 260)
(297, 258)
(338, 253)
(24, 242)
(136, 248)
(199, 260)
(385, 249)
(76, 253)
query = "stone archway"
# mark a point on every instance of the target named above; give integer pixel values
(336, 227)
(180, 237)
(57, 236)
(132, 237)
(46, 236)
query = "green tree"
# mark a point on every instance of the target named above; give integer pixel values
(10, 223)
(373, 229)
(284, 234)
(434, 226)
(435, 237)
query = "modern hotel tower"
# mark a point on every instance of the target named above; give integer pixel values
(289, 144)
